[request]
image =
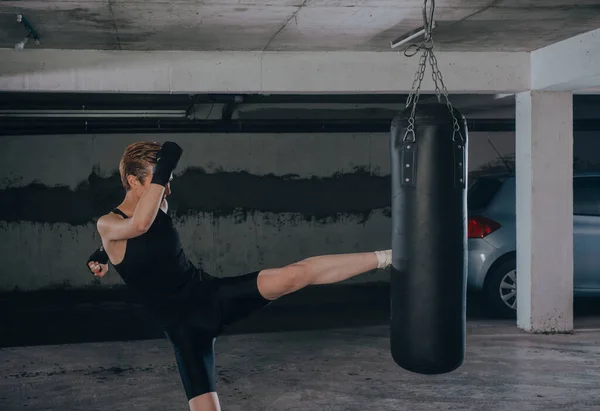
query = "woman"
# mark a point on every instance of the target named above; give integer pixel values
(144, 247)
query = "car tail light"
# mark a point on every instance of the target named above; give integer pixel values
(480, 227)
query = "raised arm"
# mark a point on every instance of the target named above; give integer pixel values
(114, 228)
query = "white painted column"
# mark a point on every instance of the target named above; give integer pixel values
(544, 170)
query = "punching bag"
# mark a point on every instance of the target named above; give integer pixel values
(429, 240)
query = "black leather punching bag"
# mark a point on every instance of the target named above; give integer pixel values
(429, 240)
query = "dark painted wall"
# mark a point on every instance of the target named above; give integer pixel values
(242, 202)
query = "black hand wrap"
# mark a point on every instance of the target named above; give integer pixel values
(166, 161)
(99, 256)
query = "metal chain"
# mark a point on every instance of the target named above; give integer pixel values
(413, 97)
(416, 85)
(438, 79)
(436, 74)
(428, 19)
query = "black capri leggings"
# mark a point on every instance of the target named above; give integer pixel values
(232, 298)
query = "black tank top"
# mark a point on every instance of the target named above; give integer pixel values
(155, 267)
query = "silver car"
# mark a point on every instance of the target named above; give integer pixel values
(492, 239)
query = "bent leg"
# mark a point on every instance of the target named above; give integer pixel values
(195, 357)
(326, 269)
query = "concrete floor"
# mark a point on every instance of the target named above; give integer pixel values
(341, 364)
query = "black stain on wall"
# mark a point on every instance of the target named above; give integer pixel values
(60, 204)
(196, 191)
(222, 193)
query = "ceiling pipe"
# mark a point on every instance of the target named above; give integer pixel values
(411, 35)
(31, 33)
(94, 113)
(56, 126)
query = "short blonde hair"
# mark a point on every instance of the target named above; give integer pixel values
(137, 159)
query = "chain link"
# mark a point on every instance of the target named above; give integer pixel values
(428, 19)
(413, 97)
(438, 79)
(440, 87)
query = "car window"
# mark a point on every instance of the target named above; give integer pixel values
(482, 192)
(586, 196)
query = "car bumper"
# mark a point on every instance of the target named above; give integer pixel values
(480, 257)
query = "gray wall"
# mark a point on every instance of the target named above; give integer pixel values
(241, 202)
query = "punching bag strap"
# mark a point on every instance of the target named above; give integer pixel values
(409, 147)
(460, 171)
(409, 159)
(459, 164)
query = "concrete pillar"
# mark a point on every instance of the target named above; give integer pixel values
(544, 170)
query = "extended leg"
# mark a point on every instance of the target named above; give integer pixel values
(326, 269)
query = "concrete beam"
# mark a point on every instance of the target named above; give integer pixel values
(569, 65)
(256, 72)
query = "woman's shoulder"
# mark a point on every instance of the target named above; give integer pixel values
(112, 214)
(109, 217)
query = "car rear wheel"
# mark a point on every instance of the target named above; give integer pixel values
(500, 290)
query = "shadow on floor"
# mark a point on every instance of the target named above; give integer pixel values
(64, 317)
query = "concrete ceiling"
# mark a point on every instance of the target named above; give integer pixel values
(294, 25)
